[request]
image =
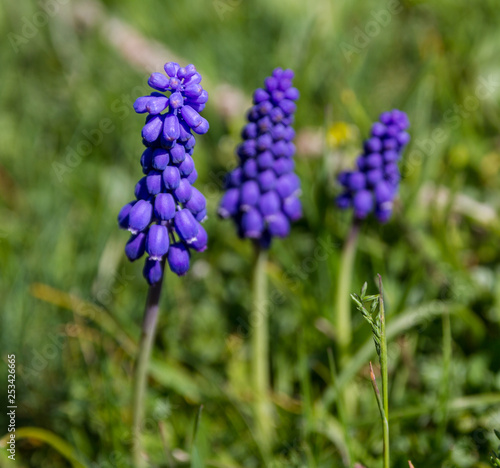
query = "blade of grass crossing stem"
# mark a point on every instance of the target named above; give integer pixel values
(384, 371)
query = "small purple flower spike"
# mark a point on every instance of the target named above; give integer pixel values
(165, 217)
(372, 187)
(262, 193)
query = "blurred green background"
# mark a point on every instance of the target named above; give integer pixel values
(71, 304)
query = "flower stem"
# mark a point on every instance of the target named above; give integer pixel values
(260, 350)
(149, 323)
(385, 378)
(342, 320)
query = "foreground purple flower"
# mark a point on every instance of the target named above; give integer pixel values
(262, 192)
(374, 185)
(164, 220)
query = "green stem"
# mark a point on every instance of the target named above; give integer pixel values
(343, 328)
(445, 377)
(385, 378)
(149, 323)
(260, 350)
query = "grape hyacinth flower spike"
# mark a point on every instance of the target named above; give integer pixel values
(262, 198)
(165, 218)
(369, 189)
(372, 187)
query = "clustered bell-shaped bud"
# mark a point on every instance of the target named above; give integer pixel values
(374, 185)
(165, 218)
(262, 192)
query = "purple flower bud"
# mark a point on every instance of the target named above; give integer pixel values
(201, 99)
(171, 177)
(390, 144)
(283, 166)
(271, 83)
(250, 168)
(160, 159)
(374, 161)
(186, 166)
(277, 115)
(158, 81)
(373, 145)
(269, 204)
(280, 149)
(292, 94)
(249, 194)
(176, 100)
(264, 142)
(193, 91)
(201, 217)
(197, 202)
(152, 271)
(186, 225)
(171, 130)
(278, 225)
(229, 204)
(147, 160)
(234, 178)
(378, 129)
(135, 246)
(151, 131)
(265, 160)
(191, 178)
(260, 95)
(287, 106)
(264, 108)
(266, 180)
(140, 216)
(356, 181)
(278, 132)
(252, 224)
(288, 184)
(193, 119)
(292, 207)
(200, 244)
(383, 192)
(157, 241)
(390, 156)
(373, 177)
(264, 124)
(183, 192)
(153, 182)
(164, 206)
(177, 154)
(249, 131)
(178, 258)
(123, 221)
(171, 69)
(141, 191)
(403, 138)
(363, 203)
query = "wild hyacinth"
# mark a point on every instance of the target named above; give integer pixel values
(165, 218)
(372, 187)
(262, 192)
(262, 199)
